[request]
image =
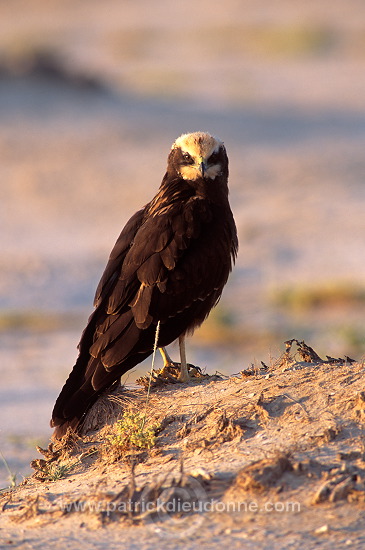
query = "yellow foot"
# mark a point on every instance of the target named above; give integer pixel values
(173, 371)
(187, 371)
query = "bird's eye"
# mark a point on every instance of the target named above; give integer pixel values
(188, 158)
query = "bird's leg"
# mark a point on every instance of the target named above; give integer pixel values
(184, 374)
(167, 361)
(183, 366)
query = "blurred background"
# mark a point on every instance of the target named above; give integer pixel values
(93, 94)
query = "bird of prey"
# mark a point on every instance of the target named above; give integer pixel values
(169, 265)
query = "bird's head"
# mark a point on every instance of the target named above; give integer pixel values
(198, 156)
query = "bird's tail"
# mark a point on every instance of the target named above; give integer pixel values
(75, 399)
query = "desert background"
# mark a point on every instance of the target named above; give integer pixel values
(93, 94)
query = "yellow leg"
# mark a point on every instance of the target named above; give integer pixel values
(167, 361)
(184, 374)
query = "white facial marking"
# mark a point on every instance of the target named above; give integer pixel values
(200, 147)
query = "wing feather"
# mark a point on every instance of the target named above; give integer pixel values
(117, 256)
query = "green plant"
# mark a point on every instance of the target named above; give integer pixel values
(11, 475)
(131, 431)
(56, 470)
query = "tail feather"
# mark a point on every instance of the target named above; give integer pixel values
(89, 376)
(79, 392)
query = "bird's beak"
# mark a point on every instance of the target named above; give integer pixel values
(202, 168)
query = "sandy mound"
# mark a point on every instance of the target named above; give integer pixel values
(277, 452)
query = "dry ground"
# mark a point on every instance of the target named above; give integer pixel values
(83, 144)
(274, 458)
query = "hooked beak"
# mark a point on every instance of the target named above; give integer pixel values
(202, 168)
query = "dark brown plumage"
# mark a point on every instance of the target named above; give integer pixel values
(169, 264)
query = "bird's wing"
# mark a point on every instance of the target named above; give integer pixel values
(117, 256)
(170, 264)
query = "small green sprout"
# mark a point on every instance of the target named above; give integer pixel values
(132, 432)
